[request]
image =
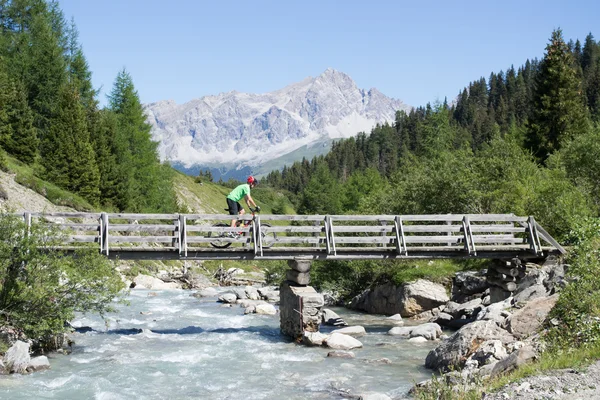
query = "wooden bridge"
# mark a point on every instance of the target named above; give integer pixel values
(209, 236)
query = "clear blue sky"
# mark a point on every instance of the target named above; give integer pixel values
(416, 51)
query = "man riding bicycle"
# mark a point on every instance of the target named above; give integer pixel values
(239, 193)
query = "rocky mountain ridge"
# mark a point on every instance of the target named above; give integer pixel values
(250, 129)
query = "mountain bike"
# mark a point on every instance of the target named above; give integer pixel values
(223, 239)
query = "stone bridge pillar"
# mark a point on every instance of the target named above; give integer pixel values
(299, 305)
(504, 278)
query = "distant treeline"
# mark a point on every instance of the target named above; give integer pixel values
(525, 141)
(50, 117)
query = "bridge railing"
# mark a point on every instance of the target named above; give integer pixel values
(333, 236)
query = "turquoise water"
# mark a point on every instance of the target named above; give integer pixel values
(174, 346)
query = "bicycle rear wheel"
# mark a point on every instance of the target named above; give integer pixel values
(267, 238)
(220, 241)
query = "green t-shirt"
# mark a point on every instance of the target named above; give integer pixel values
(239, 192)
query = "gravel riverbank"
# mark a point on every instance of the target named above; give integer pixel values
(564, 384)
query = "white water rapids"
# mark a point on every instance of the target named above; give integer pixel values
(174, 346)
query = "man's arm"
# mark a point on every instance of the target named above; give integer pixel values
(250, 201)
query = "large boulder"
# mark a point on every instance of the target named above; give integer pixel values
(526, 321)
(339, 341)
(355, 331)
(149, 282)
(17, 358)
(429, 331)
(408, 299)
(265, 309)
(421, 295)
(468, 283)
(454, 351)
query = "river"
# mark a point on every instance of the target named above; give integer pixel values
(170, 345)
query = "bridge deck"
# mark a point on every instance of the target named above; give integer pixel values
(204, 237)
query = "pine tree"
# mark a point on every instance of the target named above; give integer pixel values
(67, 154)
(150, 188)
(79, 71)
(23, 142)
(43, 69)
(558, 112)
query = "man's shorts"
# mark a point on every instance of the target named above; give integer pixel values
(234, 207)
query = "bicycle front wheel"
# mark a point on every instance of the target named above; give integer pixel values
(267, 238)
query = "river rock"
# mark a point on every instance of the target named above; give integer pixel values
(340, 341)
(396, 319)
(245, 303)
(149, 282)
(489, 352)
(400, 331)
(266, 309)
(352, 331)
(38, 364)
(227, 298)
(420, 296)
(331, 318)
(524, 322)
(429, 331)
(271, 294)
(496, 312)
(207, 292)
(453, 352)
(530, 293)
(239, 292)
(17, 358)
(408, 300)
(252, 293)
(341, 354)
(313, 338)
(514, 360)
(418, 339)
(468, 283)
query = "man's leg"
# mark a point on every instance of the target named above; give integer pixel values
(233, 210)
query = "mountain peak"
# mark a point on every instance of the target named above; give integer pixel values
(254, 128)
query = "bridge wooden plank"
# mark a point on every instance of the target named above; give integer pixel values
(139, 217)
(203, 239)
(277, 217)
(65, 214)
(472, 217)
(362, 229)
(215, 217)
(78, 227)
(299, 240)
(218, 229)
(140, 228)
(82, 239)
(140, 239)
(293, 229)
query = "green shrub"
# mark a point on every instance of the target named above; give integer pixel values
(576, 316)
(40, 290)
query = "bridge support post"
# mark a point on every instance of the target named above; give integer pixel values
(300, 305)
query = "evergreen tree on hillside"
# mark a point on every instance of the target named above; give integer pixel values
(67, 154)
(558, 112)
(590, 64)
(22, 142)
(114, 178)
(43, 68)
(78, 70)
(150, 188)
